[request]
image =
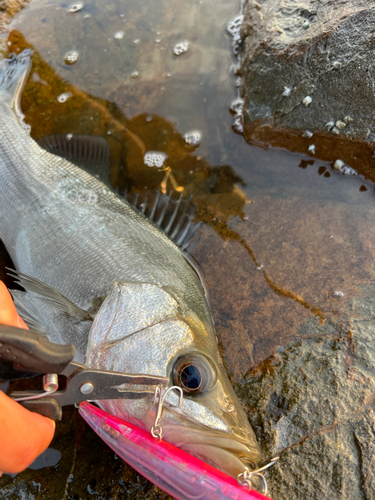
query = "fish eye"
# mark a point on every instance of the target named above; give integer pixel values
(194, 373)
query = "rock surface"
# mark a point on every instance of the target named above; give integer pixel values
(308, 66)
(314, 409)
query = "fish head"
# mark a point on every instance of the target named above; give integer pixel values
(143, 328)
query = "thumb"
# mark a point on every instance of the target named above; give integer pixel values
(8, 312)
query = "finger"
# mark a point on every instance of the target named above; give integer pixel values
(8, 312)
(24, 435)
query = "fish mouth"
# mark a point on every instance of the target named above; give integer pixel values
(222, 450)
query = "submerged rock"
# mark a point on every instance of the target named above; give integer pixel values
(307, 65)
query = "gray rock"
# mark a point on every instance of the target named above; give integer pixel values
(312, 406)
(330, 62)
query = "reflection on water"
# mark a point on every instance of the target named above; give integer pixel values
(283, 234)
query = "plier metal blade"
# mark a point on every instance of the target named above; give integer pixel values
(31, 352)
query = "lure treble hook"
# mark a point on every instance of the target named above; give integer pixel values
(159, 398)
(247, 476)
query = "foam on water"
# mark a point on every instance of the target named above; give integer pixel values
(64, 97)
(193, 138)
(180, 48)
(155, 158)
(71, 57)
(75, 7)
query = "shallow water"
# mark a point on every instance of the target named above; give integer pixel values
(282, 234)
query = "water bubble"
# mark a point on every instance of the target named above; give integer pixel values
(135, 74)
(155, 158)
(237, 106)
(136, 41)
(234, 28)
(237, 124)
(119, 35)
(75, 7)
(64, 97)
(180, 48)
(71, 57)
(193, 138)
(69, 137)
(158, 40)
(149, 118)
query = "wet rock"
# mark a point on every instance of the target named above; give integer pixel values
(312, 406)
(297, 76)
(8, 9)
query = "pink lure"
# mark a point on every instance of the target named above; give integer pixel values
(176, 472)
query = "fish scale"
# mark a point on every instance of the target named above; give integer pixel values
(64, 227)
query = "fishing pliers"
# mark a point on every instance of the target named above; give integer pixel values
(29, 351)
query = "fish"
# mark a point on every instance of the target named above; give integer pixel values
(107, 276)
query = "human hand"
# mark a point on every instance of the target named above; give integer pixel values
(23, 434)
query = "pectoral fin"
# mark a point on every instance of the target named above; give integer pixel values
(50, 296)
(28, 311)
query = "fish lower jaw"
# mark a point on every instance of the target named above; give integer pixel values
(225, 460)
(223, 451)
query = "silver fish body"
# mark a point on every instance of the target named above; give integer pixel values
(64, 227)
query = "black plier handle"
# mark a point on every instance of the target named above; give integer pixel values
(31, 352)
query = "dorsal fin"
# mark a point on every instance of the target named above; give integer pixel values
(90, 152)
(175, 218)
(172, 216)
(50, 296)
